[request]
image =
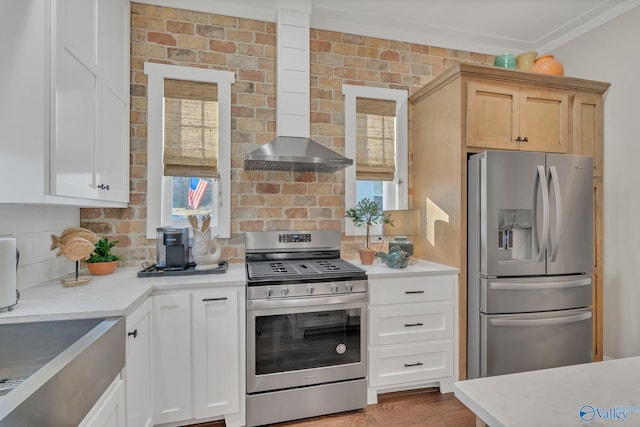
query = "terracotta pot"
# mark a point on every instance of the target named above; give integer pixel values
(102, 268)
(547, 65)
(367, 256)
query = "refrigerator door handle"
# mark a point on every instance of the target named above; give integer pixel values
(556, 189)
(542, 177)
(541, 322)
(520, 286)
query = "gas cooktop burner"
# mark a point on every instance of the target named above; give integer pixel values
(301, 269)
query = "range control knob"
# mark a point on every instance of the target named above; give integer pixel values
(334, 288)
(349, 287)
(268, 292)
(285, 291)
(310, 290)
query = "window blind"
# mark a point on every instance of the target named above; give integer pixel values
(375, 139)
(190, 129)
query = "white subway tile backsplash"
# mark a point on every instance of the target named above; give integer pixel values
(32, 227)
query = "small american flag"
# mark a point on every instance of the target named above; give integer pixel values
(197, 187)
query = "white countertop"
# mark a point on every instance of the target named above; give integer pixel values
(120, 293)
(555, 397)
(419, 268)
(117, 294)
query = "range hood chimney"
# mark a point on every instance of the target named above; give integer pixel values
(293, 150)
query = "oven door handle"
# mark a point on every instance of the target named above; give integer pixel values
(269, 303)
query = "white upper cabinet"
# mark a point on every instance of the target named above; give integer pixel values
(65, 116)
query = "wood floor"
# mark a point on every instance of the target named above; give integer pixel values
(425, 408)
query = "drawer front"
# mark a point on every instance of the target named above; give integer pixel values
(397, 324)
(404, 290)
(410, 363)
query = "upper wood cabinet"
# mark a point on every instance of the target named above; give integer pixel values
(503, 116)
(587, 129)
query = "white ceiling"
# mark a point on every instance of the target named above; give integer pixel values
(484, 26)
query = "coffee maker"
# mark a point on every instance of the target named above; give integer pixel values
(172, 248)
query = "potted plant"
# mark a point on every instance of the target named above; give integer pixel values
(102, 261)
(367, 213)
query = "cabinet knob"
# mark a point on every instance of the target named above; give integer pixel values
(518, 139)
(134, 333)
(103, 187)
(525, 139)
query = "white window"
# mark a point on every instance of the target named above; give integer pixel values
(172, 196)
(391, 192)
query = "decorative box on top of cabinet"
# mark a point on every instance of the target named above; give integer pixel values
(412, 332)
(65, 102)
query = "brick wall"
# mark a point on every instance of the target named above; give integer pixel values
(260, 200)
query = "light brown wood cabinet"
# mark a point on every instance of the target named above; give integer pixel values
(470, 108)
(509, 117)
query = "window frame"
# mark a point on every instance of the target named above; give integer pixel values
(396, 194)
(156, 182)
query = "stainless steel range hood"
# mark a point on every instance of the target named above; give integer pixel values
(295, 154)
(292, 150)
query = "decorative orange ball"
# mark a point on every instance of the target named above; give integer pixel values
(547, 65)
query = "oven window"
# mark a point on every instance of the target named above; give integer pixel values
(290, 342)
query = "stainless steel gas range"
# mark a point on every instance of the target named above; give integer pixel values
(306, 327)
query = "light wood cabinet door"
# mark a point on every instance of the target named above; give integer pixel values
(544, 121)
(492, 116)
(587, 129)
(508, 117)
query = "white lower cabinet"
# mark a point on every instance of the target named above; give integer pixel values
(109, 410)
(216, 374)
(412, 333)
(199, 356)
(138, 369)
(171, 358)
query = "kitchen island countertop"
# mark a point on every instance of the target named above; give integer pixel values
(594, 394)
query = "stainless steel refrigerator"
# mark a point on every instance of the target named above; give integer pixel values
(529, 261)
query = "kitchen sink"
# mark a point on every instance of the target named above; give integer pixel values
(52, 373)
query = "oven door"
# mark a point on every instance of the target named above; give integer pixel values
(305, 341)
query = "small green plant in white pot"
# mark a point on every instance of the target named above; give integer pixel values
(367, 213)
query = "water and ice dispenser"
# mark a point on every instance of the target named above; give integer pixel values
(515, 234)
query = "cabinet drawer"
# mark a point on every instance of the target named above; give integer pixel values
(410, 363)
(396, 324)
(411, 289)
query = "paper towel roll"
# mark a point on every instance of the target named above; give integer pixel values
(7, 271)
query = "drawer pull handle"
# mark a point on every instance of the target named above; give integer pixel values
(414, 292)
(214, 299)
(407, 325)
(409, 365)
